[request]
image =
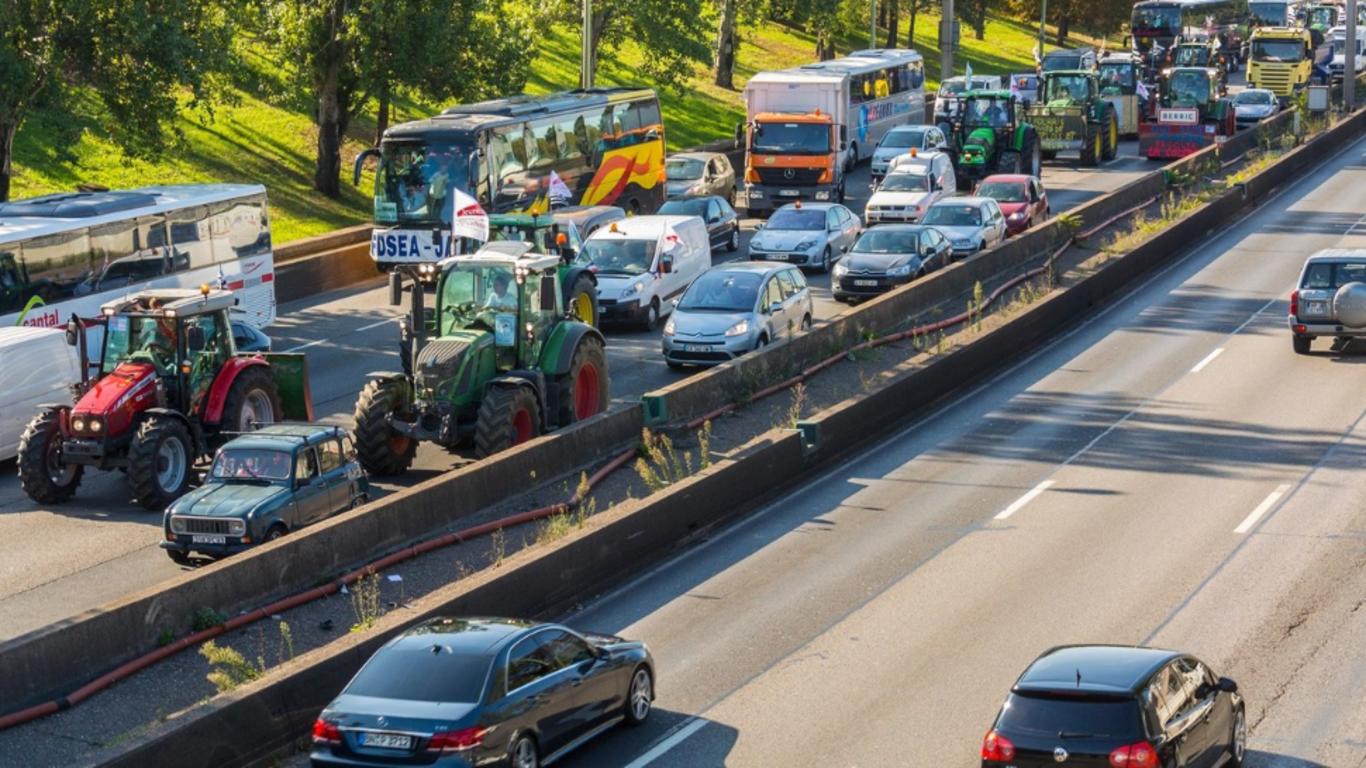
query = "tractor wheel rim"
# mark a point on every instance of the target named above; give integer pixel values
(398, 444)
(256, 409)
(583, 308)
(587, 389)
(171, 464)
(59, 472)
(521, 426)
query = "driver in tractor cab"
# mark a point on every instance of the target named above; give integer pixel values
(158, 339)
(501, 298)
(996, 115)
(205, 364)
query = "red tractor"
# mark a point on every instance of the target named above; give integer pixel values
(170, 389)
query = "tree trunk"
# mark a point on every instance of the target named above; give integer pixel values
(1064, 26)
(910, 33)
(828, 52)
(893, 21)
(7, 130)
(725, 46)
(882, 14)
(382, 116)
(979, 24)
(327, 84)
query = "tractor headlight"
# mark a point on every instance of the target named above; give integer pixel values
(78, 423)
(94, 424)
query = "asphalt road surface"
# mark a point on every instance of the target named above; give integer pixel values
(56, 563)
(1168, 473)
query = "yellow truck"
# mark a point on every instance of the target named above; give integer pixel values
(1280, 59)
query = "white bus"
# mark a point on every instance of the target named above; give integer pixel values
(68, 253)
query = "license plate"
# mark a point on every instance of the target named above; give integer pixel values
(209, 539)
(696, 347)
(788, 192)
(866, 283)
(384, 740)
(1317, 307)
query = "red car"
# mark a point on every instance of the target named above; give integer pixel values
(1021, 197)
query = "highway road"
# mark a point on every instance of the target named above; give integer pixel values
(55, 563)
(1168, 473)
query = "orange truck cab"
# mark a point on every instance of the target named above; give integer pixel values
(792, 156)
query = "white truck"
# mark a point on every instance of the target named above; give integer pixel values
(1338, 35)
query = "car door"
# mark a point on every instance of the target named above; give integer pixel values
(773, 315)
(717, 230)
(849, 225)
(598, 693)
(311, 500)
(799, 296)
(539, 693)
(1211, 713)
(332, 467)
(1176, 714)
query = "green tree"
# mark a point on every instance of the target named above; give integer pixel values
(672, 33)
(138, 58)
(349, 51)
(1096, 17)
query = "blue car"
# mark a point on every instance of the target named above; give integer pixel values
(464, 692)
(263, 485)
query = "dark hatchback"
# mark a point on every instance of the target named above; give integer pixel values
(1118, 707)
(887, 256)
(723, 224)
(461, 692)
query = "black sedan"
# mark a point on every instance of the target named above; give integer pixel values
(1122, 706)
(889, 255)
(461, 692)
(723, 225)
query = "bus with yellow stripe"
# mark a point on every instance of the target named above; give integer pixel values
(524, 154)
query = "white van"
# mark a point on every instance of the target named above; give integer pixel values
(36, 366)
(643, 262)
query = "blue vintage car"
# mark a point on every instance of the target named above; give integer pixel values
(263, 485)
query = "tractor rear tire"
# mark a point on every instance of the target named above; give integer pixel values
(584, 390)
(1009, 162)
(1111, 128)
(253, 399)
(381, 450)
(581, 301)
(508, 416)
(42, 474)
(1048, 155)
(160, 460)
(1092, 147)
(1033, 156)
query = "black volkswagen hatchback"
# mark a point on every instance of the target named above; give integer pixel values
(455, 693)
(1118, 707)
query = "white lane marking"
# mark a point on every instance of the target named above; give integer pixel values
(1025, 499)
(1200, 366)
(302, 347)
(316, 342)
(1262, 509)
(693, 726)
(385, 321)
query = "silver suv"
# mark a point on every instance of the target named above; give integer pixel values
(1318, 306)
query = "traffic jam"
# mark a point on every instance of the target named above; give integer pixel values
(523, 238)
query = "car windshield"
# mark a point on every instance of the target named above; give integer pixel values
(252, 464)
(1326, 275)
(1277, 50)
(1003, 191)
(905, 182)
(422, 672)
(471, 293)
(888, 241)
(684, 169)
(793, 219)
(1253, 97)
(696, 206)
(140, 338)
(954, 215)
(616, 255)
(414, 181)
(791, 139)
(953, 87)
(722, 291)
(1084, 716)
(1067, 89)
(903, 138)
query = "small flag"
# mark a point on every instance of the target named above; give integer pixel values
(469, 220)
(1142, 90)
(559, 191)
(968, 78)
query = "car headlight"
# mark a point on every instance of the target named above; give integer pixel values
(739, 329)
(237, 527)
(902, 271)
(840, 269)
(78, 423)
(178, 524)
(1017, 216)
(805, 245)
(632, 289)
(669, 327)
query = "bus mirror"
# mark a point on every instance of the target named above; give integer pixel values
(360, 163)
(844, 134)
(548, 293)
(73, 327)
(472, 162)
(395, 289)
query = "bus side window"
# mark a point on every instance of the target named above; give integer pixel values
(629, 115)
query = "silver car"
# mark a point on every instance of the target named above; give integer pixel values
(1317, 309)
(901, 140)
(806, 234)
(1253, 104)
(971, 224)
(736, 308)
(692, 174)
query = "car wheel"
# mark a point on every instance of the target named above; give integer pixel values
(673, 366)
(982, 246)
(806, 323)
(1237, 747)
(651, 318)
(762, 342)
(1301, 344)
(640, 696)
(275, 532)
(524, 753)
(178, 557)
(825, 260)
(733, 244)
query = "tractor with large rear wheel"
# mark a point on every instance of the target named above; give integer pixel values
(506, 363)
(169, 388)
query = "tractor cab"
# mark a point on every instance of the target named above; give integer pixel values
(185, 336)
(542, 231)
(1063, 90)
(1204, 54)
(508, 290)
(1190, 87)
(994, 137)
(1119, 75)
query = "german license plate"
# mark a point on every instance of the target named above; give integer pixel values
(696, 348)
(788, 192)
(866, 283)
(384, 740)
(209, 539)
(1317, 307)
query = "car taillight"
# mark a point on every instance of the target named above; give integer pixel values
(457, 741)
(997, 747)
(1140, 755)
(1294, 302)
(325, 732)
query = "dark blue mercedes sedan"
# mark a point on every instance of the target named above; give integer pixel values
(461, 692)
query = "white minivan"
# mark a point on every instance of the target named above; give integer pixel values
(643, 262)
(36, 366)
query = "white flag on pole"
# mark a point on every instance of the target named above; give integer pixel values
(470, 220)
(559, 191)
(968, 73)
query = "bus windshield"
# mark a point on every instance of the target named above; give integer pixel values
(1277, 50)
(791, 139)
(414, 181)
(1155, 20)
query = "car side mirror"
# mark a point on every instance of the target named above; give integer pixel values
(194, 339)
(758, 226)
(548, 296)
(1227, 685)
(72, 328)
(775, 307)
(395, 289)
(666, 264)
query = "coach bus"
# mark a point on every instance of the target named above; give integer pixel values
(603, 146)
(1160, 22)
(66, 254)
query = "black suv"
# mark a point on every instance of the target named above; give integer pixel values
(1120, 706)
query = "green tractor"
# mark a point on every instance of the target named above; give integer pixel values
(1072, 115)
(991, 136)
(505, 364)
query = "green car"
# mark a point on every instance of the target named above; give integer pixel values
(263, 485)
